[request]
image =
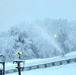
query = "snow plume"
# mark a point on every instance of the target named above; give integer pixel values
(42, 32)
(45, 42)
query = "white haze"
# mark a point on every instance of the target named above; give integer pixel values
(39, 32)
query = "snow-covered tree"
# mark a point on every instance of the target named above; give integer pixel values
(41, 39)
(15, 41)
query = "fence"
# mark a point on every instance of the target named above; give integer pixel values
(45, 65)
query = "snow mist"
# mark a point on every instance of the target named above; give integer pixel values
(39, 32)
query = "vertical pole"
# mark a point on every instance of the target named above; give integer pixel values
(3, 68)
(45, 65)
(19, 72)
(18, 66)
(19, 56)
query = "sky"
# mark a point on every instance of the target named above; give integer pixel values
(13, 12)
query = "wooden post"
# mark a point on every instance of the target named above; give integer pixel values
(53, 64)
(60, 62)
(18, 66)
(3, 70)
(19, 71)
(45, 65)
(3, 64)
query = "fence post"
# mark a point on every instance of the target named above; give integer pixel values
(18, 66)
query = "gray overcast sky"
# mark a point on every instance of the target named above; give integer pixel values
(13, 12)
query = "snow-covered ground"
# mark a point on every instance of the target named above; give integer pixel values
(69, 69)
(41, 61)
(58, 70)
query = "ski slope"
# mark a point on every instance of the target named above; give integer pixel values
(56, 70)
(41, 61)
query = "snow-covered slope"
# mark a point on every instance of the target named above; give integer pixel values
(71, 54)
(41, 61)
(58, 70)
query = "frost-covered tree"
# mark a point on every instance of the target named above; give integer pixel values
(41, 39)
(71, 39)
(15, 41)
